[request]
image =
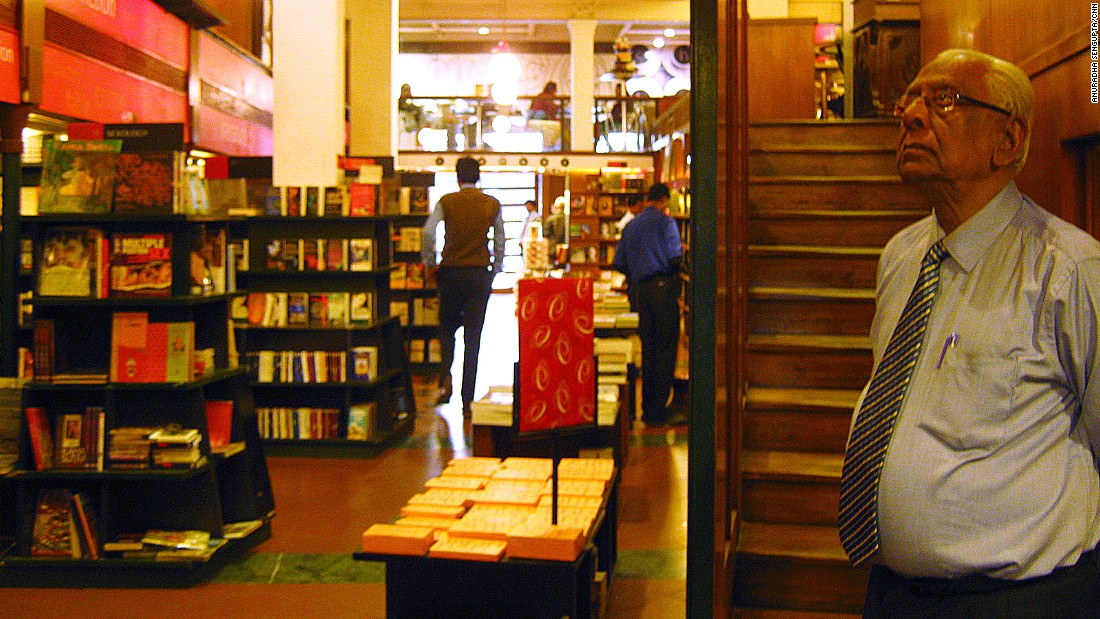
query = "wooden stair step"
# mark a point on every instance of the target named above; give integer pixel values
(791, 487)
(810, 311)
(850, 132)
(795, 567)
(823, 161)
(822, 227)
(833, 193)
(810, 269)
(779, 613)
(814, 420)
(808, 361)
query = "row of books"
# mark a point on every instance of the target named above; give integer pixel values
(151, 352)
(312, 423)
(368, 197)
(327, 254)
(316, 309)
(425, 350)
(303, 422)
(313, 366)
(84, 261)
(64, 525)
(421, 312)
(410, 276)
(95, 177)
(75, 441)
(407, 239)
(167, 447)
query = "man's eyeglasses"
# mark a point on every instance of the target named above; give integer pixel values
(942, 100)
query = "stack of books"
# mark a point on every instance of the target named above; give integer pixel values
(495, 409)
(174, 448)
(129, 447)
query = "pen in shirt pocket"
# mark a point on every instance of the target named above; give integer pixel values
(948, 343)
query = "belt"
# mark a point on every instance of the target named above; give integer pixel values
(980, 583)
(655, 276)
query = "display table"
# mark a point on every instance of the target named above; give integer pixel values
(422, 586)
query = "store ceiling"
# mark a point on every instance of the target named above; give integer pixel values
(639, 21)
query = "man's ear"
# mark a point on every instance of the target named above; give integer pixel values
(1011, 143)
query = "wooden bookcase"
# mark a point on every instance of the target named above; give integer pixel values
(593, 227)
(420, 326)
(298, 409)
(226, 485)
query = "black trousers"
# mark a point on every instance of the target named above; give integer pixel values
(463, 295)
(657, 300)
(1067, 593)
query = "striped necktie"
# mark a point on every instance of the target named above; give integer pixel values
(875, 424)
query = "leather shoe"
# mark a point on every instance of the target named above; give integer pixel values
(445, 389)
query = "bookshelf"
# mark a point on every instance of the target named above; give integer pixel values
(594, 215)
(326, 360)
(203, 485)
(415, 305)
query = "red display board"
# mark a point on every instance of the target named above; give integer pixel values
(9, 66)
(557, 377)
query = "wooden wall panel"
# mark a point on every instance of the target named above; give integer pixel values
(781, 68)
(1050, 41)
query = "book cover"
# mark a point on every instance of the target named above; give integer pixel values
(401, 310)
(335, 202)
(362, 200)
(38, 426)
(145, 183)
(45, 348)
(208, 260)
(85, 520)
(313, 254)
(78, 176)
(336, 255)
(360, 254)
(228, 196)
(414, 278)
(427, 311)
(273, 255)
(361, 421)
(318, 309)
(418, 200)
(193, 199)
(362, 307)
(71, 262)
(435, 350)
(338, 309)
(292, 254)
(257, 308)
(311, 203)
(364, 363)
(292, 198)
(141, 265)
(70, 452)
(297, 308)
(11, 423)
(129, 333)
(416, 351)
(409, 239)
(256, 193)
(54, 526)
(398, 276)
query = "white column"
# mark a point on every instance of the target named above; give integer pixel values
(308, 68)
(582, 60)
(372, 93)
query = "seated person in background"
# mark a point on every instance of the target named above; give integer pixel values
(412, 115)
(545, 104)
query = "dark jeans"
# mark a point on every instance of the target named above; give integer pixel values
(658, 305)
(463, 295)
(1067, 593)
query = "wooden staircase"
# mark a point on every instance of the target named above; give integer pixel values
(823, 200)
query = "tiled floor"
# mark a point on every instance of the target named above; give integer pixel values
(323, 504)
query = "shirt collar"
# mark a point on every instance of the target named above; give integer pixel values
(970, 241)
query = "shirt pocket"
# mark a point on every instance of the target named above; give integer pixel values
(970, 398)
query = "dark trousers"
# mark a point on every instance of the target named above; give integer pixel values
(463, 295)
(1067, 593)
(657, 300)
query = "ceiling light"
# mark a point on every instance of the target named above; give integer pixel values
(484, 30)
(503, 65)
(669, 33)
(505, 93)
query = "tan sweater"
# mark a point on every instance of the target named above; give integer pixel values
(467, 216)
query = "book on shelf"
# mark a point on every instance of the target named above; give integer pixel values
(364, 363)
(86, 525)
(151, 352)
(292, 254)
(45, 348)
(426, 311)
(55, 528)
(399, 276)
(208, 260)
(362, 307)
(242, 529)
(414, 278)
(361, 420)
(11, 422)
(318, 309)
(360, 254)
(494, 408)
(177, 540)
(73, 263)
(238, 309)
(273, 255)
(297, 308)
(408, 239)
(418, 200)
(311, 201)
(435, 350)
(336, 255)
(292, 199)
(401, 310)
(335, 202)
(417, 350)
(78, 176)
(191, 195)
(38, 427)
(141, 265)
(338, 309)
(228, 196)
(362, 200)
(128, 447)
(145, 183)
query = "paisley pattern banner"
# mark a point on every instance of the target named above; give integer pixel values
(557, 381)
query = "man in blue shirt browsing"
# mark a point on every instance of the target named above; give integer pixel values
(649, 255)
